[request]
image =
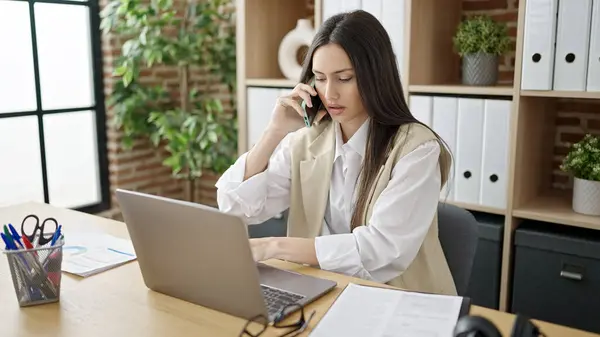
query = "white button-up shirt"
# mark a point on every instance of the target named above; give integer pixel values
(401, 217)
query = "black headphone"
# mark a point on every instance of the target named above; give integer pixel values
(477, 326)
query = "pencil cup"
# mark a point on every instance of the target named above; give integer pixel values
(36, 273)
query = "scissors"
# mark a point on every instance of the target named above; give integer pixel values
(30, 235)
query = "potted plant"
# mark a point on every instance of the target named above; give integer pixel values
(480, 41)
(583, 162)
(189, 119)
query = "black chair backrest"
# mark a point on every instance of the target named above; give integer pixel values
(458, 234)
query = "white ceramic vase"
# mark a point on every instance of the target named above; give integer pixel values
(295, 39)
(586, 196)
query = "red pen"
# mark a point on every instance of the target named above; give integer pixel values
(26, 241)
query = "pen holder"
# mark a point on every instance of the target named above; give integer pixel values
(36, 273)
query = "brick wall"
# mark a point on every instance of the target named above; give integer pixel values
(575, 118)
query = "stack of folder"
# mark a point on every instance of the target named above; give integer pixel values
(477, 131)
(561, 45)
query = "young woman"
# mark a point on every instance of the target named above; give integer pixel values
(362, 183)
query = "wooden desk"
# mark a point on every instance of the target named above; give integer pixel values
(117, 303)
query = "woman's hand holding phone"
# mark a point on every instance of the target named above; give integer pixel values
(288, 115)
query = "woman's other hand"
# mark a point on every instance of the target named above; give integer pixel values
(261, 249)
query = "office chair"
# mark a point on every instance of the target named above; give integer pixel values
(276, 226)
(477, 326)
(458, 234)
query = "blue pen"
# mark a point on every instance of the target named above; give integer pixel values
(6, 244)
(56, 235)
(9, 241)
(15, 235)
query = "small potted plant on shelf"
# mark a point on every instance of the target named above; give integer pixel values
(480, 41)
(583, 162)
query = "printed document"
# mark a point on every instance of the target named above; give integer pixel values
(378, 312)
(86, 254)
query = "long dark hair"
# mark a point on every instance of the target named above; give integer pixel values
(370, 50)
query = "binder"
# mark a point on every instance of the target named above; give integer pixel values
(593, 76)
(331, 8)
(469, 146)
(391, 15)
(538, 44)
(392, 19)
(421, 108)
(375, 7)
(260, 103)
(572, 45)
(350, 5)
(494, 169)
(444, 118)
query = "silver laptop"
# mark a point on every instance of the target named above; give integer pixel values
(201, 255)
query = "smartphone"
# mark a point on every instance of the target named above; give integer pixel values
(311, 112)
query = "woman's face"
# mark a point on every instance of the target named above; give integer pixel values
(335, 82)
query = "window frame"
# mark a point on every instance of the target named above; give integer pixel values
(98, 108)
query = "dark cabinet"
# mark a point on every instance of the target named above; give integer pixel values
(484, 283)
(557, 274)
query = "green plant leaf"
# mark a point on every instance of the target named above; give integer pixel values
(120, 70)
(481, 33)
(212, 136)
(205, 137)
(127, 77)
(583, 159)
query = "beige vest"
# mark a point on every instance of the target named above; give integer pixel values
(312, 154)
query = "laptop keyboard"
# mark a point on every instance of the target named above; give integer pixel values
(276, 299)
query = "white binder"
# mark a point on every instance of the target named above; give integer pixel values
(374, 7)
(469, 144)
(494, 169)
(392, 18)
(572, 45)
(421, 108)
(331, 8)
(593, 76)
(350, 5)
(260, 103)
(445, 110)
(391, 15)
(538, 44)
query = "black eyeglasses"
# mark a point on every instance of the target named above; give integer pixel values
(255, 326)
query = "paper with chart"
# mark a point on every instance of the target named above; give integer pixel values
(86, 254)
(377, 312)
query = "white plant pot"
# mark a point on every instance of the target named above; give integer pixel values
(586, 196)
(295, 39)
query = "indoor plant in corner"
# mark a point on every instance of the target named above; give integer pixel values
(189, 118)
(583, 162)
(480, 41)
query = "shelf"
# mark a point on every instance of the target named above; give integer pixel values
(263, 26)
(561, 94)
(462, 90)
(270, 82)
(476, 208)
(557, 209)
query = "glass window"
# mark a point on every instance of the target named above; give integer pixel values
(52, 117)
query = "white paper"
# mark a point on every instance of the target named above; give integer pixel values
(86, 254)
(378, 312)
